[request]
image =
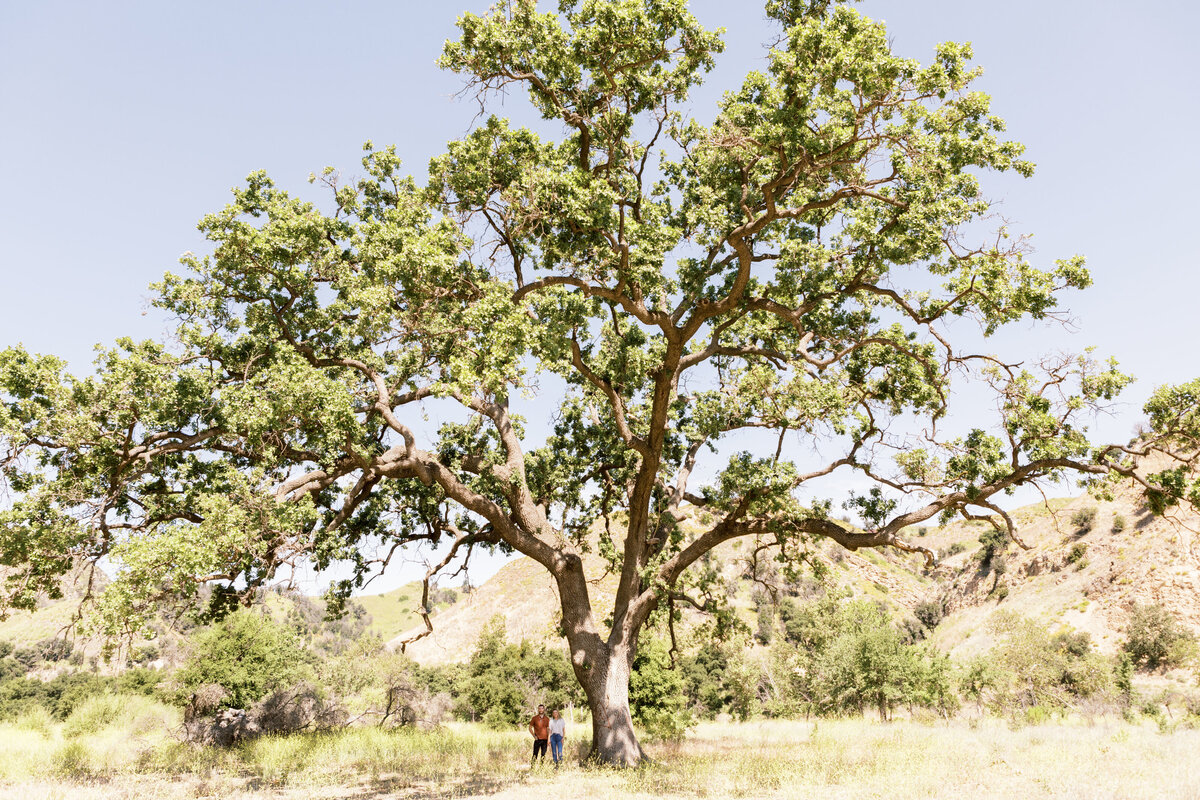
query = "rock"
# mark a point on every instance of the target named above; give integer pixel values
(295, 708)
(229, 726)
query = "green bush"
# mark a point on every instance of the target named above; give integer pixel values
(1031, 668)
(930, 613)
(765, 617)
(247, 654)
(992, 543)
(656, 697)
(72, 760)
(1155, 639)
(843, 656)
(705, 679)
(59, 696)
(953, 549)
(96, 713)
(1118, 523)
(504, 682)
(55, 649)
(1078, 551)
(1083, 519)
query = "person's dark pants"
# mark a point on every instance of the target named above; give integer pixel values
(539, 749)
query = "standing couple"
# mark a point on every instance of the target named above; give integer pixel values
(554, 728)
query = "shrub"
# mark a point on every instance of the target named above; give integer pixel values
(911, 630)
(656, 698)
(979, 678)
(95, 714)
(504, 682)
(1155, 639)
(1078, 551)
(1034, 668)
(139, 680)
(953, 549)
(72, 760)
(1083, 519)
(248, 654)
(930, 613)
(843, 656)
(373, 683)
(766, 623)
(55, 649)
(706, 675)
(59, 696)
(27, 658)
(1118, 523)
(992, 543)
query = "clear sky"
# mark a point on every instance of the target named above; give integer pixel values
(122, 123)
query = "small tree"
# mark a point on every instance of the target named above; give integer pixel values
(929, 613)
(1033, 668)
(504, 681)
(844, 656)
(1155, 639)
(248, 655)
(992, 543)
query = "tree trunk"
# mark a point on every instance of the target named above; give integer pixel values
(602, 668)
(607, 688)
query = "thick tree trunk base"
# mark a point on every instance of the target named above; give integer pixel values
(614, 742)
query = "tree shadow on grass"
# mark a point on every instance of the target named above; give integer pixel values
(407, 789)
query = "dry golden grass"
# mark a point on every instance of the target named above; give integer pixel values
(770, 759)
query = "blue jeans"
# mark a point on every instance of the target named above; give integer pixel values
(556, 747)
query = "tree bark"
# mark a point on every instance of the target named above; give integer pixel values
(602, 668)
(607, 688)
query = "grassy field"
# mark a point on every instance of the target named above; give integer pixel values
(124, 748)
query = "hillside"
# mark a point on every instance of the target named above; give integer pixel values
(521, 592)
(52, 617)
(1084, 579)
(396, 611)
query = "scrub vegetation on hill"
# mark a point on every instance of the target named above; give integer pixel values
(370, 721)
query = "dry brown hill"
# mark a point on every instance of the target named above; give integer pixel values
(1084, 579)
(522, 593)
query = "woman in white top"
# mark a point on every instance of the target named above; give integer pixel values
(558, 732)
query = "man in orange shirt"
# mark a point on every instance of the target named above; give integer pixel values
(539, 728)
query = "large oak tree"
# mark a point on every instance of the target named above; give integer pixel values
(681, 297)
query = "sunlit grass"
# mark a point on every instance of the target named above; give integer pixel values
(127, 748)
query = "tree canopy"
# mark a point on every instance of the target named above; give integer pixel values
(657, 282)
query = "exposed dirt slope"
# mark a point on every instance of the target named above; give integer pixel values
(1087, 579)
(522, 593)
(1150, 560)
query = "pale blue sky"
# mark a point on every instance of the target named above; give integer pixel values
(122, 123)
